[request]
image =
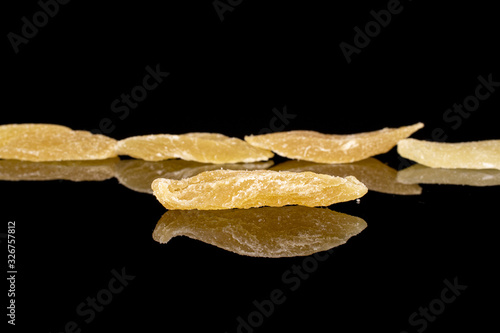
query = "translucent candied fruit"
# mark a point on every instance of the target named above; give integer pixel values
(47, 142)
(226, 189)
(199, 147)
(138, 174)
(332, 148)
(464, 155)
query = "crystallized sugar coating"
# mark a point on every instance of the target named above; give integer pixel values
(199, 147)
(332, 148)
(47, 142)
(226, 189)
(464, 155)
(262, 232)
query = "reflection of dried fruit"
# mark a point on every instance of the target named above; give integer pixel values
(68, 170)
(262, 232)
(420, 174)
(138, 174)
(46, 142)
(332, 148)
(464, 155)
(200, 147)
(226, 189)
(374, 174)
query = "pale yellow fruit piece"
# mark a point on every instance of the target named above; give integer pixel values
(138, 174)
(47, 142)
(332, 148)
(95, 170)
(462, 155)
(376, 175)
(262, 232)
(226, 189)
(199, 147)
(421, 174)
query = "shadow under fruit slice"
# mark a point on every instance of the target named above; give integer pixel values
(262, 232)
(138, 174)
(199, 147)
(420, 174)
(462, 155)
(226, 189)
(47, 142)
(332, 148)
(376, 175)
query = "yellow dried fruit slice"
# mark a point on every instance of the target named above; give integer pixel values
(226, 189)
(96, 170)
(332, 148)
(462, 155)
(47, 142)
(421, 174)
(376, 175)
(138, 174)
(199, 147)
(262, 232)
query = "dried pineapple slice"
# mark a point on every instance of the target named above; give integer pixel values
(332, 148)
(47, 142)
(199, 147)
(462, 155)
(138, 174)
(226, 189)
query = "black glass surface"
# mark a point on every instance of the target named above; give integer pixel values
(85, 257)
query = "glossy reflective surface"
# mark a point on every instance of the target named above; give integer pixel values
(66, 170)
(420, 174)
(262, 232)
(240, 68)
(221, 261)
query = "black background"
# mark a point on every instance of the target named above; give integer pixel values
(227, 76)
